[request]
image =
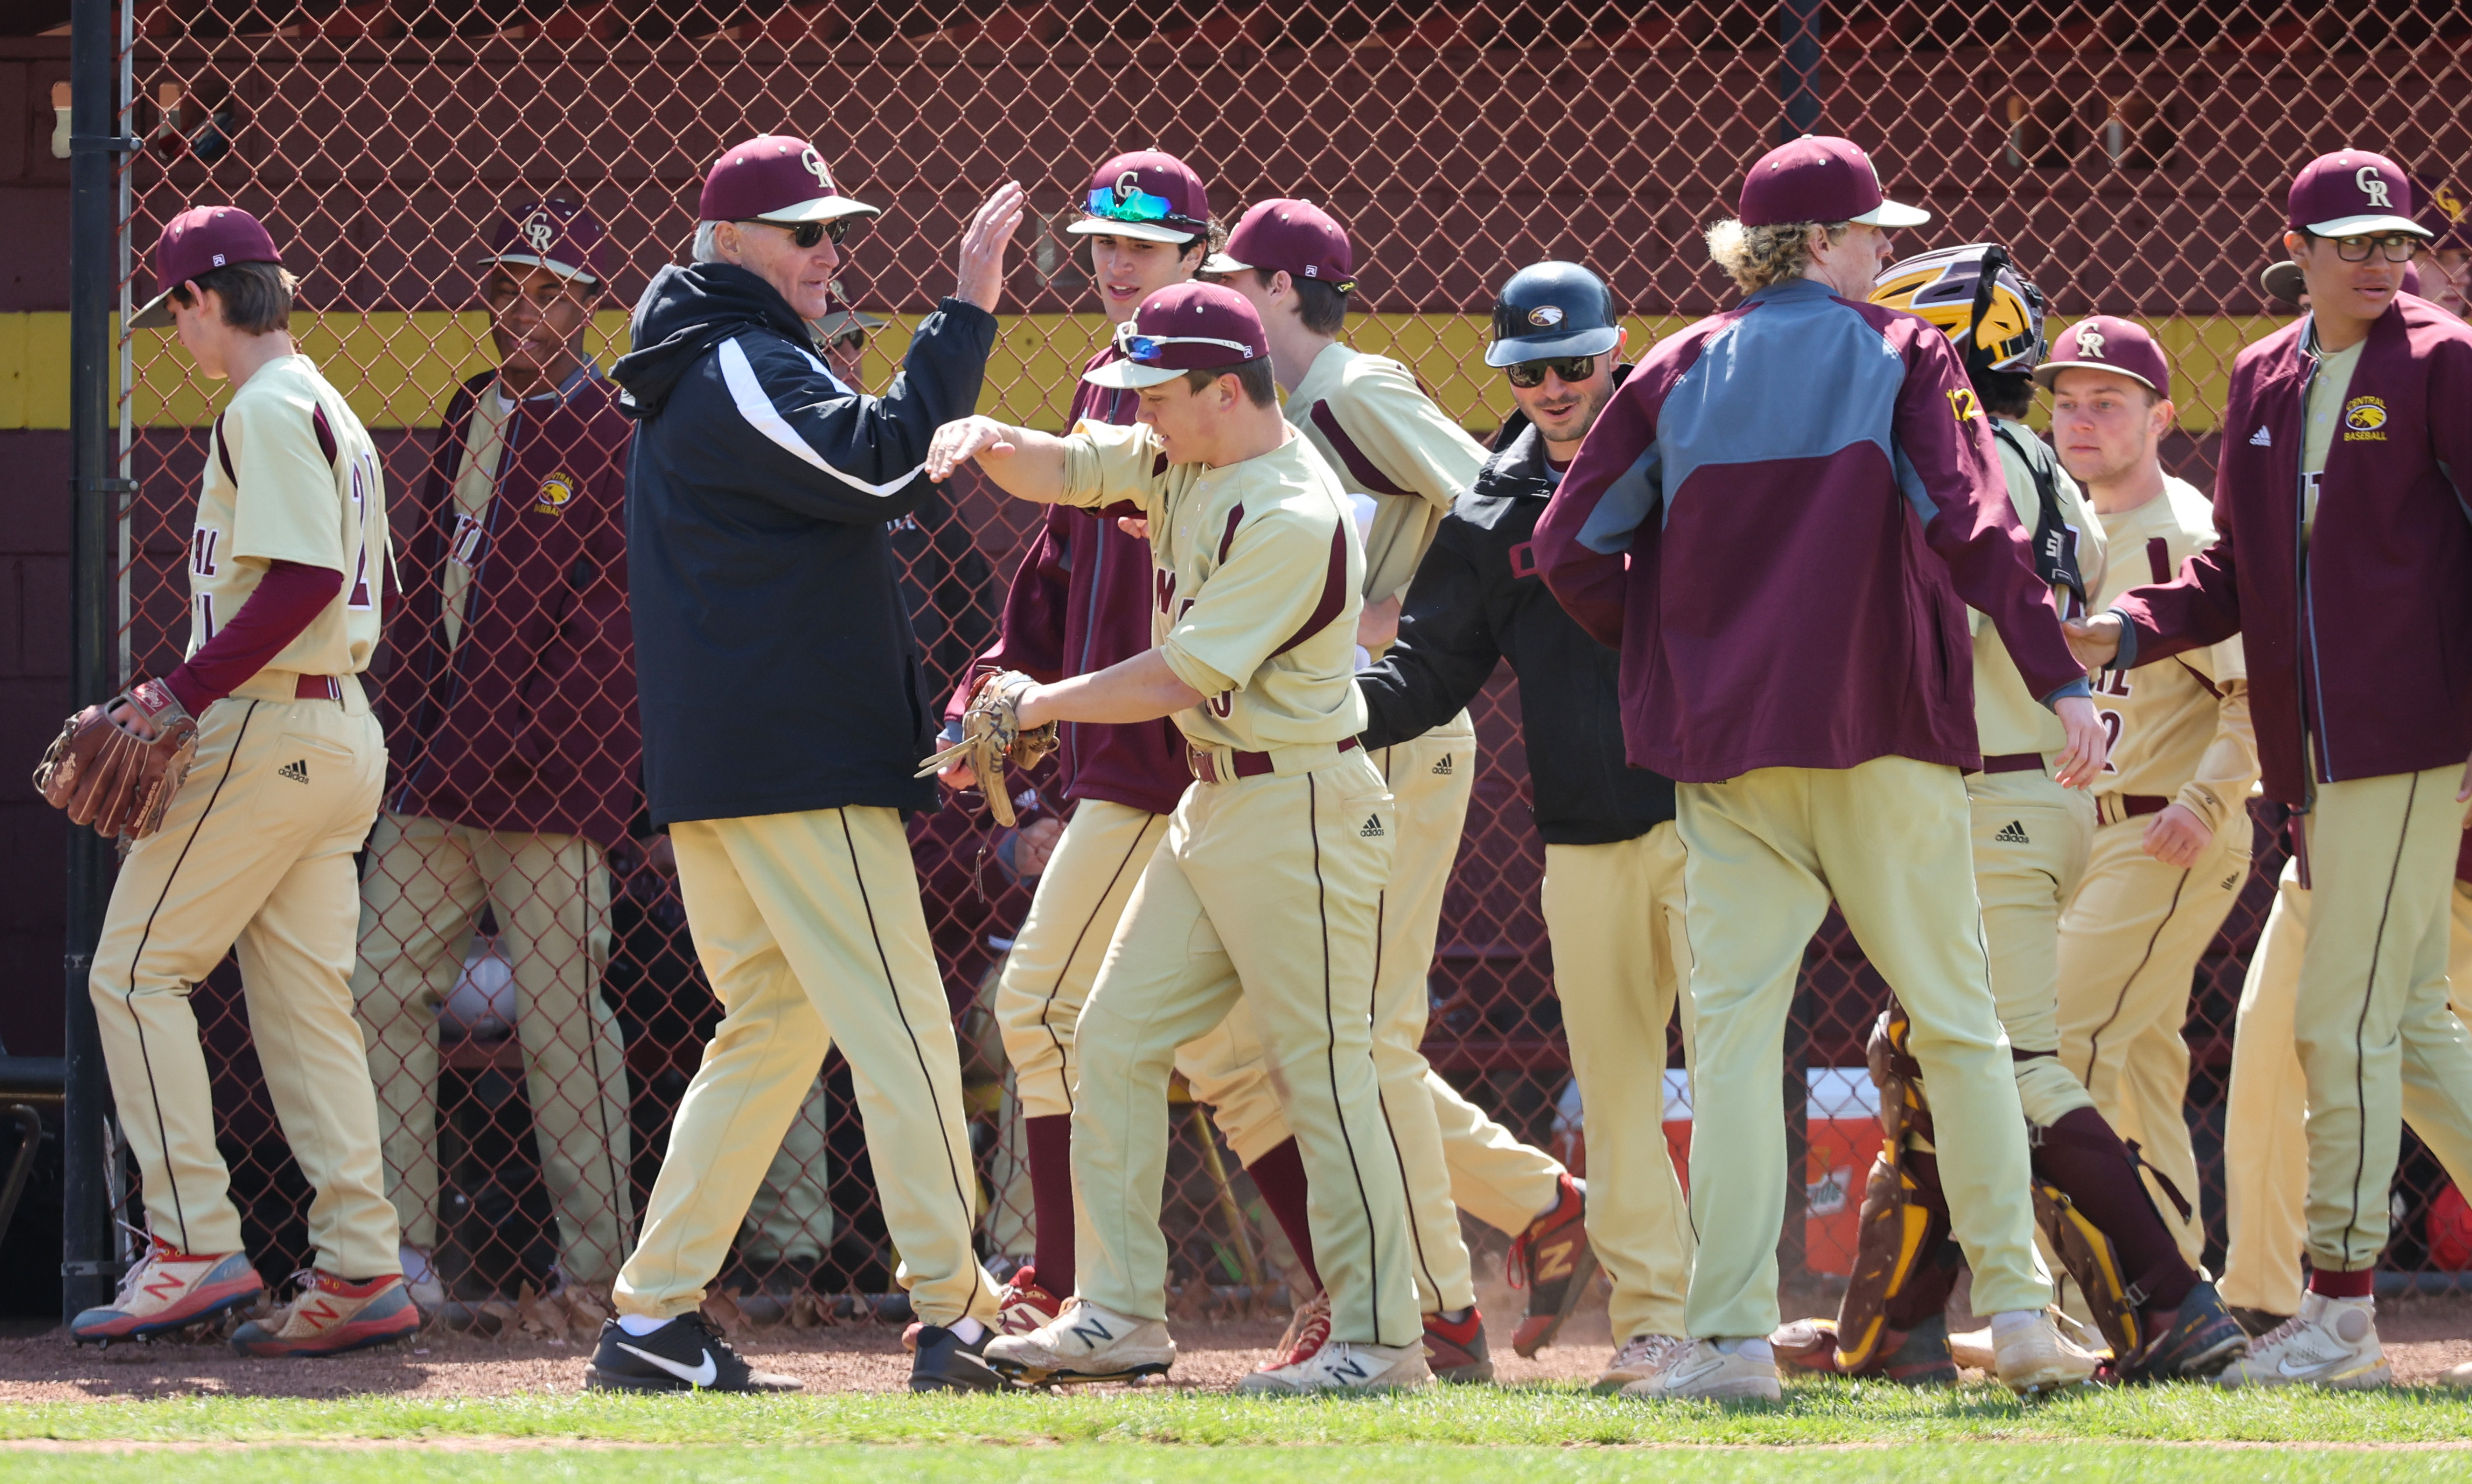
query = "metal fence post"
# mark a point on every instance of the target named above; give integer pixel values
(86, 1267)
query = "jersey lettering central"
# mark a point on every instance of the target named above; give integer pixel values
(291, 476)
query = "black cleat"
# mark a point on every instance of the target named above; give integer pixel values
(2254, 1322)
(685, 1355)
(2201, 1338)
(947, 1363)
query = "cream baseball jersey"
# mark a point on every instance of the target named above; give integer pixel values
(291, 476)
(1255, 570)
(2008, 718)
(1400, 461)
(2167, 719)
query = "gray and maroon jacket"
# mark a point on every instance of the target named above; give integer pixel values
(1773, 521)
(531, 723)
(1081, 601)
(2368, 644)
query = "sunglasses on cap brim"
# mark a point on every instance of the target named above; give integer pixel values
(1525, 374)
(1148, 348)
(1140, 206)
(807, 234)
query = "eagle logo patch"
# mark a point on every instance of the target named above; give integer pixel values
(1544, 315)
(2365, 420)
(555, 493)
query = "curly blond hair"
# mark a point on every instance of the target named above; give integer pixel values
(1758, 256)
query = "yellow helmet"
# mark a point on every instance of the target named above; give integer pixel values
(1991, 312)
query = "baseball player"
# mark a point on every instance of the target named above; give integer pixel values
(1403, 463)
(2172, 844)
(2031, 837)
(783, 708)
(255, 852)
(1265, 889)
(1610, 845)
(1748, 521)
(2266, 1163)
(2353, 417)
(509, 707)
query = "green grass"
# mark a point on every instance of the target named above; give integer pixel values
(1104, 1464)
(1815, 1413)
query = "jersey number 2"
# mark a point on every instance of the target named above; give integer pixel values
(365, 482)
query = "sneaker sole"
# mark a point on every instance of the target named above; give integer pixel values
(1527, 1342)
(391, 1330)
(2367, 1377)
(1032, 1376)
(214, 1308)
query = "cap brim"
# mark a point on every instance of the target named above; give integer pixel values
(1552, 348)
(823, 208)
(1890, 213)
(1144, 231)
(842, 321)
(2049, 371)
(1126, 376)
(2353, 226)
(156, 314)
(1222, 263)
(535, 260)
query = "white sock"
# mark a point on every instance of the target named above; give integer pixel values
(1756, 1349)
(967, 1330)
(640, 1324)
(2009, 1322)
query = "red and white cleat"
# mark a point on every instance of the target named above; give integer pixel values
(168, 1291)
(332, 1316)
(1308, 1331)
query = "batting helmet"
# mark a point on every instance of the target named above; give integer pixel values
(1974, 294)
(1553, 310)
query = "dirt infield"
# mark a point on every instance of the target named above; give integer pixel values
(2423, 1339)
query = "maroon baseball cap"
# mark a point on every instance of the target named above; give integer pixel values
(1182, 328)
(2352, 193)
(1296, 236)
(775, 177)
(198, 241)
(1149, 194)
(2108, 342)
(555, 234)
(1819, 178)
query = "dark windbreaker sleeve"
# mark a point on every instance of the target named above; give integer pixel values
(1446, 649)
(803, 440)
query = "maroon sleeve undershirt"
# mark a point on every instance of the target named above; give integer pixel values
(288, 598)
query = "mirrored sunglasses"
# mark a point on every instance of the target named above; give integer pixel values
(1571, 369)
(1139, 206)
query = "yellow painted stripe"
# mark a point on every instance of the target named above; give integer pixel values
(399, 368)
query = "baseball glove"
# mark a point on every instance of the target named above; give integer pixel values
(105, 774)
(992, 736)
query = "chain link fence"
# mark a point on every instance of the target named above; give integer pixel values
(2132, 159)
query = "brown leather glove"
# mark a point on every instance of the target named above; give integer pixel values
(120, 777)
(992, 735)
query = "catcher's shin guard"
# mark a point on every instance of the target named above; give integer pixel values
(1904, 1265)
(2090, 1259)
(2094, 1206)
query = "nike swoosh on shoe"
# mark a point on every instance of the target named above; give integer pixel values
(693, 1375)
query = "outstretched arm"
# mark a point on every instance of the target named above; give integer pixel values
(1023, 461)
(1140, 689)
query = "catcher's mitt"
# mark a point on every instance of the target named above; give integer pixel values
(107, 775)
(992, 736)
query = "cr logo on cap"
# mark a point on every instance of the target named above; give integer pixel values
(2372, 185)
(1544, 315)
(539, 231)
(2090, 344)
(814, 164)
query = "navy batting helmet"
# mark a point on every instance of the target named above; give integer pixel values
(1549, 311)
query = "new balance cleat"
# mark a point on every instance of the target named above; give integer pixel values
(1308, 1331)
(2202, 1339)
(1344, 1366)
(688, 1354)
(1083, 1344)
(1456, 1351)
(948, 1362)
(2330, 1343)
(170, 1290)
(1643, 1355)
(2035, 1358)
(332, 1316)
(1553, 1261)
(1705, 1373)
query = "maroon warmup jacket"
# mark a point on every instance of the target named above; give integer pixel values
(1080, 601)
(530, 724)
(2369, 644)
(1772, 522)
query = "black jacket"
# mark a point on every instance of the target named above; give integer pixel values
(772, 645)
(1476, 599)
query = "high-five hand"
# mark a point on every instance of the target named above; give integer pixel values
(957, 442)
(983, 247)
(2095, 641)
(2081, 761)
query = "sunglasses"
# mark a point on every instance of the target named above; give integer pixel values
(2393, 246)
(1149, 347)
(1525, 374)
(1139, 206)
(807, 234)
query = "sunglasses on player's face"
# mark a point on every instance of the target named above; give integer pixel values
(2393, 246)
(1573, 369)
(807, 234)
